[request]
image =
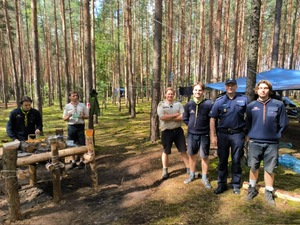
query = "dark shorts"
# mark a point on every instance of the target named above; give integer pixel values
(267, 152)
(175, 135)
(76, 133)
(198, 143)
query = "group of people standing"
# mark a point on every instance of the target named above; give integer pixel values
(25, 120)
(227, 123)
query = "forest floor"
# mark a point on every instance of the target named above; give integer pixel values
(131, 191)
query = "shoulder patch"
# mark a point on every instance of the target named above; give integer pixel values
(219, 98)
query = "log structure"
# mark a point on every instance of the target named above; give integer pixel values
(55, 171)
(90, 157)
(34, 158)
(9, 173)
(11, 162)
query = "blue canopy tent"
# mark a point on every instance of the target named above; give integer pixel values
(281, 79)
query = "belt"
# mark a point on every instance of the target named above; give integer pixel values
(76, 125)
(172, 129)
(231, 131)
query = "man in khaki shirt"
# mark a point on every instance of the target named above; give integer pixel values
(170, 116)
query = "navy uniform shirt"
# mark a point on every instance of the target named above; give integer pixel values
(16, 127)
(230, 113)
(196, 117)
(266, 120)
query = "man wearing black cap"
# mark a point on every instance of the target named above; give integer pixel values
(227, 126)
(24, 121)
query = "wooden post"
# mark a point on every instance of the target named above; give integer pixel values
(91, 152)
(55, 171)
(11, 180)
(32, 175)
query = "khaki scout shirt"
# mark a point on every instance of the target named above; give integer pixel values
(166, 108)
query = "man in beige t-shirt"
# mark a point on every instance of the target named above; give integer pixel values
(170, 117)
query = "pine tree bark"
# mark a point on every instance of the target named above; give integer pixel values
(157, 43)
(275, 47)
(88, 55)
(57, 54)
(169, 43)
(20, 54)
(11, 183)
(253, 49)
(36, 58)
(66, 61)
(12, 53)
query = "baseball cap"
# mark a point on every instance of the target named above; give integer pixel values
(230, 81)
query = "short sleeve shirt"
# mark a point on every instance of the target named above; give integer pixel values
(166, 108)
(76, 111)
(230, 112)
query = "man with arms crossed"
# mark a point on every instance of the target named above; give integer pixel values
(170, 118)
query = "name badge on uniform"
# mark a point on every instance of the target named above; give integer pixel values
(225, 110)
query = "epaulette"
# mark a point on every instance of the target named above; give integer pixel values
(220, 97)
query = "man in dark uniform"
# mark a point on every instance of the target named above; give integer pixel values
(227, 126)
(23, 121)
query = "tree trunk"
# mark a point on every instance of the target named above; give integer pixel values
(93, 44)
(182, 44)
(36, 58)
(4, 75)
(48, 56)
(202, 47)
(131, 83)
(189, 50)
(210, 45)
(236, 39)
(169, 44)
(12, 54)
(261, 27)
(225, 57)
(157, 43)
(72, 51)
(293, 36)
(253, 49)
(28, 78)
(285, 43)
(57, 63)
(297, 43)
(88, 55)
(147, 61)
(18, 33)
(275, 49)
(66, 61)
(217, 42)
(119, 61)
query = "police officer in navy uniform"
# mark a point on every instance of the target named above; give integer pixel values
(227, 132)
